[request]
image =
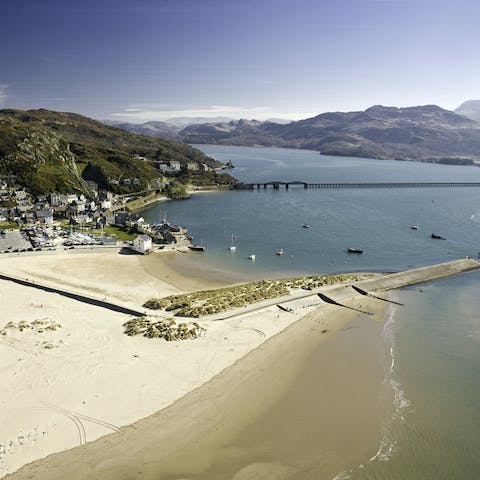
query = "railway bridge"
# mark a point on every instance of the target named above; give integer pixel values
(277, 185)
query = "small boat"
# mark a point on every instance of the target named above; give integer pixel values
(354, 250)
(279, 252)
(414, 227)
(252, 257)
(437, 237)
(197, 248)
(232, 248)
(305, 225)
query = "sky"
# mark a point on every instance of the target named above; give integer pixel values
(141, 60)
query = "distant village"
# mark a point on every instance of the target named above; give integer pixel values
(49, 222)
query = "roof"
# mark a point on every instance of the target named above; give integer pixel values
(144, 237)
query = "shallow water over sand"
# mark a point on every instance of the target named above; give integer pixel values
(431, 347)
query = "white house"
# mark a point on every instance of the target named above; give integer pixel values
(142, 244)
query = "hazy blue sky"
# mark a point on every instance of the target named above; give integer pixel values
(140, 60)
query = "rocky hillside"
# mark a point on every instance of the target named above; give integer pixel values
(470, 109)
(52, 151)
(426, 133)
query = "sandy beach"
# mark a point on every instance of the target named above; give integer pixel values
(92, 379)
(267, 394)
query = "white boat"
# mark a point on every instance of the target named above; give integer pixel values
(305, 225)
(252, 257)
(279, 252)
(414, 226)
(233, 248)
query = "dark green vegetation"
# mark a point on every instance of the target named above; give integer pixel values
(208, 302)
(166, 328)
(194, 177)
(426, 133)
(52, 151)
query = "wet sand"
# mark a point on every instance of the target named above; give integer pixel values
(303, 405)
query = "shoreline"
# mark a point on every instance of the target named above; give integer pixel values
(151, 199)
(185, 430)
(109, 365)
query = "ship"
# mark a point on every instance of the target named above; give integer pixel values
(354, 250)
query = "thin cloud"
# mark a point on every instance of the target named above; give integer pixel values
(136, 113)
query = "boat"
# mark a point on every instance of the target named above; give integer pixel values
(252, 257)
(354, 250)
(305, 225)
(414, 226)
(232, 248)
(197, 248)
(279, 252)
(437, 237)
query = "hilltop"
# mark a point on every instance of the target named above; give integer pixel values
(470, 109)
(424, 133)
(150, 129)
(54, 151)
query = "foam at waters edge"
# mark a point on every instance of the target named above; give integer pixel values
(400, 402)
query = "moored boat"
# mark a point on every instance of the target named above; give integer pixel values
(437, 237)
(232, 248)
(279, 252)
(197, 248)
(354, 250)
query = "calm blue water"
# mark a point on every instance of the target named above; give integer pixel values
(377, 221)
(431, 431)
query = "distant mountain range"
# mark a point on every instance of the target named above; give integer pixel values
(170, 129)
(150, 129)
(470, 109)
(424, 133)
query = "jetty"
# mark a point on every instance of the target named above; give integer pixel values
(339, 294)
(277, 185)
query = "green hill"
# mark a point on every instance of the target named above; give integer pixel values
(53, 151)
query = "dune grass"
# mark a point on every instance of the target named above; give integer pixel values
(209, 302)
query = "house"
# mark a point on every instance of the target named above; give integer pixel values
(3, 219)
(106, 204)
(45, 215)
(174, 165)
(192, 166)
(142, 244)
(204, 167)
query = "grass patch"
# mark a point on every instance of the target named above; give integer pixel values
(166, 328)
(209, 302)
(8, 224)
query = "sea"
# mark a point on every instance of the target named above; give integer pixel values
(431, 426)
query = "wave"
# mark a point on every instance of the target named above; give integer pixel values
(400, 401)
(475, 217)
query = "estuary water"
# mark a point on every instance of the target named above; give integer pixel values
(377, 221)
(432, 344)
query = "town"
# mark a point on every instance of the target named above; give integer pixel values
(67, 221)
